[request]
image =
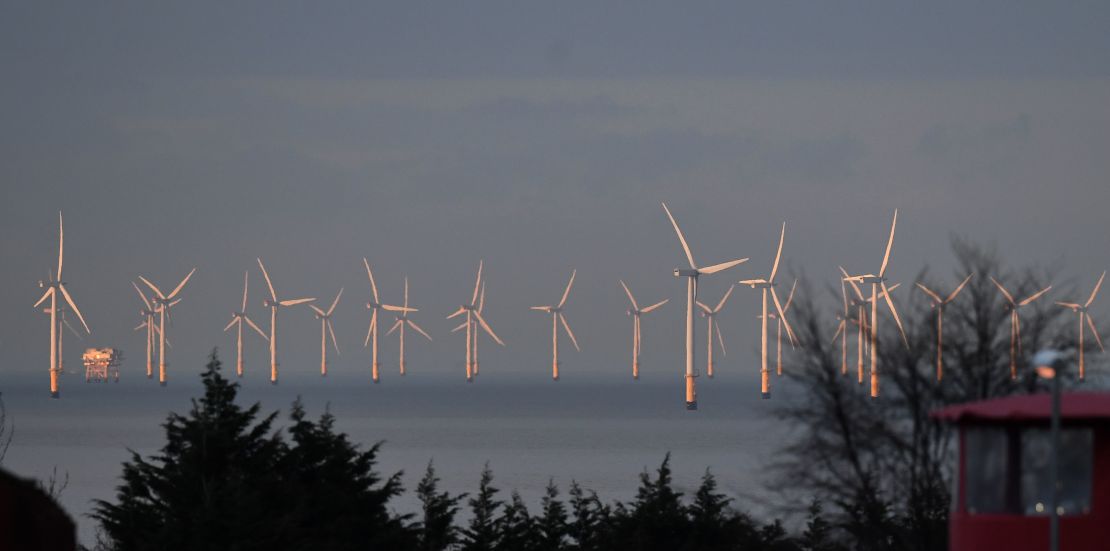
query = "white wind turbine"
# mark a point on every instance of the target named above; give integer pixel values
(475, 334)
(374, 305)
(273, 304)
(163, 304)
(473, 320)
(765, 286)
(710, 315)
(325, 330)
(860, 304)
(1081, 309)
(402, 321)
(557, 316)
(691, 276)
(878, 282)
(1015, 322)
(635, 312)
(938, 304)
(147, 312)
(237, 318)
(54, 286)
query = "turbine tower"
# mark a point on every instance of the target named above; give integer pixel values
(163, 304)
(54, 286)
(767, 286)
(1081, 309)
(710, 315)
(778, 324)
(325, 330)
(938, 304)
(842, 332)
(557, 316)
(474, 335)
(635, 312)
(1015, 322)
(62, 321)
(878, 282)
(473, 320)
(374, 305)
(402, 321)
(691, 276)
(273, 304)
(147, 312)
(237, 318)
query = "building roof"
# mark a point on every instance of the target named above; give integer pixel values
(1029, 407)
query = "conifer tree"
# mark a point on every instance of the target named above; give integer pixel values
(516, 528)
(552, 525)
(481, 534)
(437, 529)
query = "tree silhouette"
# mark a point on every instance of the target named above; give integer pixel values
(482, 533)
(551, 526)
(516, 527)
(437, 529)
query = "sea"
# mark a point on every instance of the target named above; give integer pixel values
(601, 432)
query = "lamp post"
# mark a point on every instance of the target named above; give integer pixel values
(1050, 364)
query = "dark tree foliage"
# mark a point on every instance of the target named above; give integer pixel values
(656, 518)
(482, 533)
(551, 526)
(225, 480)
(437, 529)
(589, 526)
(516, 527)
(883, 465)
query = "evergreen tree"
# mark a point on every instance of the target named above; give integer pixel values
(710, 517)
(437, 529)
(818, 535)
(516, 528)
(588, 528)
(552, 526)
(656, 519)
(482, 534)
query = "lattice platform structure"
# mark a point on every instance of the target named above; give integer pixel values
(102, 364)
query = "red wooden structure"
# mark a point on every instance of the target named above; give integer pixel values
(1001, 493)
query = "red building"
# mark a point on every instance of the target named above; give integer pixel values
(1001, 494)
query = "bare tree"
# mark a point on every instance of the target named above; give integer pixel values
(7, 430)
(883, 465)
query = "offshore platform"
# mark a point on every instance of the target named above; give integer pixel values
(102, 364)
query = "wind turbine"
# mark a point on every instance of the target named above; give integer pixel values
(474, 336)
(860, 304)
(473, 313)
(557, 316)
(1015, 322)
(62, 321)
(691, 276)
(148, 312)
(878, 282)
(163, 304)
(938, 304)
(53, 287)
(273, 304)
(842, 332)
(635, 312)
(710, 315)
(325, 330)
(402, 321)
(237, 318)
(1081, 309)
(374, 305)
(765, 286)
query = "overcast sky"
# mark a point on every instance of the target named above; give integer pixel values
(542, 138)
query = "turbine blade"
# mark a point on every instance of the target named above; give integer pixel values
(487, 328)
(889, 244)
(839, 330)
(1005, 293)
(295, 301)
(855, 288)
(230, 324)
(681, 238)
(654, 306)
(1095, 292)
(1034, 296)
(570, 333)
(406, 291)
(566, 293)
(370, 274)
(73, 305)
(266, 275)
(459, 328)
(143, 324)
(720, 339)
(142, 296)
(156, 290)
(45, 296)
(477, 282)
(482, 298)
(336, 301)
(894, 312)
(702, 305)
(393, 308)
(936, 298)
(1094, 332)
(331, 332)
(629, 293)
(457, 312)
(256, 328)
(243, 308)
(844, 296)
(181, 285)
(61, 244)
(959, 288)
(1071, 305)
(782, 316)
(317, 310)
(778, 255)
(722, 266)
(724, 299)
(413, 325)
(370, 331)
(396, 324)
(65, 322)
(790, 298)
(540, 308)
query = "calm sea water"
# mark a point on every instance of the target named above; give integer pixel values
(602, 434)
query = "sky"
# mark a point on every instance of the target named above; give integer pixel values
(540, 137)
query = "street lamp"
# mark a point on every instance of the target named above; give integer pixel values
(1050, 365)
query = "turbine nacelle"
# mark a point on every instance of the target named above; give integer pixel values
(686, 272)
